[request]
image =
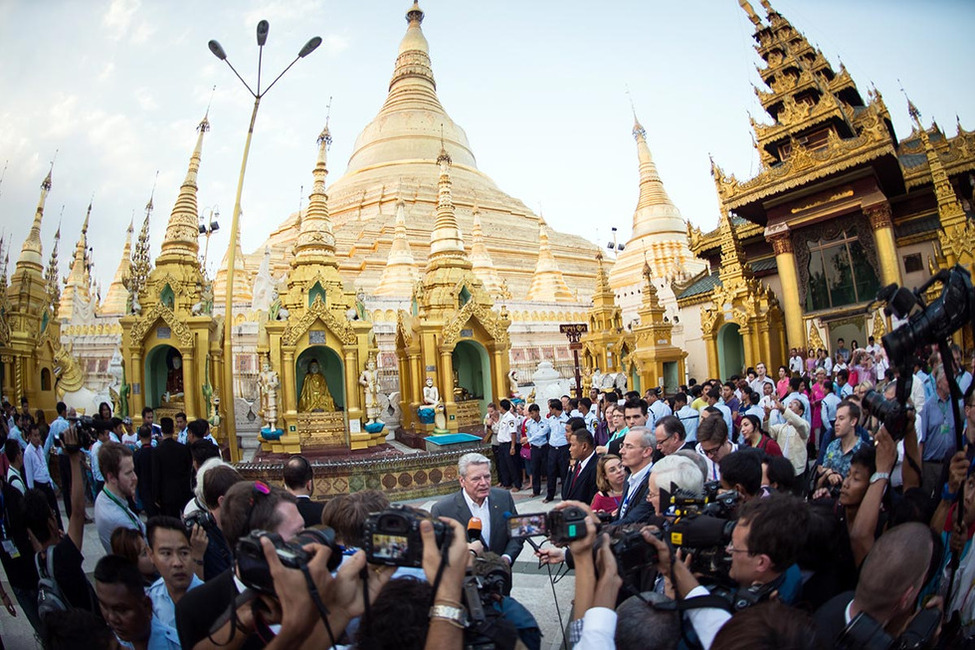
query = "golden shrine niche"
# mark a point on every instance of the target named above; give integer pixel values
(655, 361)
(317, 339)
(451, 336)
(171, 342)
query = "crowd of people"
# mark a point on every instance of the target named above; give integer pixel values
(755, 512)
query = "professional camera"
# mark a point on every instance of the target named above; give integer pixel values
(636, 559)
(252, 565)
(486, 584)
(560, 526)
(202, 518)
(934, 323)
(705, 536)
(392, 537)
(895, 415)
(86, 427)
(864, 632)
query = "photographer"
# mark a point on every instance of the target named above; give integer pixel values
(216, 479)
(891, 579)
(247, 506)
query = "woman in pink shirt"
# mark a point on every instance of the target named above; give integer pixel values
(782, 386)
(816, 401)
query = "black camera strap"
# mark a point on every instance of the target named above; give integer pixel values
(317, 599)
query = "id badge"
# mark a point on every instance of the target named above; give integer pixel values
(10, 548)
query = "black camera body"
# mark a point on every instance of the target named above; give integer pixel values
(560, 526)
(892, 413)
(202, 518)
(865, 632)
(86, 427)
(392, 537)
(252, 565)
(636, 559)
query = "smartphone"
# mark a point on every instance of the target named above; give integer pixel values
(528, 525)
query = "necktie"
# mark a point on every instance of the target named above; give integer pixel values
(575, 475)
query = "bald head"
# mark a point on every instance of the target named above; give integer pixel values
(893, 572)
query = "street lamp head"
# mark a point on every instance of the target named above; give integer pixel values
(203, 228)
(262, 28)
(214, 226)
(217, 50)
(310, 47)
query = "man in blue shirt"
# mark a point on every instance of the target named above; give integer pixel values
(937, 435)
(15, 432)
(174, 558)
(537, 431)
(794, 394)
(557, 463)
(688, 416)
(181, 423)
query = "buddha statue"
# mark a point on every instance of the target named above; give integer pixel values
(174, 379)
(314, 392)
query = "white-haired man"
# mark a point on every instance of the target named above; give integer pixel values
(477, 498)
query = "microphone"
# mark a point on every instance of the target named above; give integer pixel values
(474, 530)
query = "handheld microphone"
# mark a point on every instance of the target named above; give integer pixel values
(474, 529)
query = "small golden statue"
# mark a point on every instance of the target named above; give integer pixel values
(314, 392)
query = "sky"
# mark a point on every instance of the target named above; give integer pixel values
(543, 90)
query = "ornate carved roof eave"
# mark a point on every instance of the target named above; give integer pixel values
(695, 299)
(782, 178)
(921, 175)
(821, 113)
(712, 240)
(143, 324)
(806, 81)
(299, 324)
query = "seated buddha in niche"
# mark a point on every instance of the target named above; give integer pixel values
(315, 396)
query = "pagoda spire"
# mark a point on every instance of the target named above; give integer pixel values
(78, 282)
(547, 281)
(603, 296)
(655, 213)
(400, 273)
(141, 262)
(316, 243)
(412, 78)
(446, 242)
(30, 253)
(950, 210)
(51, 278)
(181, 242)
(243, 281)
(752, 16)
(114, 303)
(480, 258)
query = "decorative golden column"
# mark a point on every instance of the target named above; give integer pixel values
(289, 389)
(883, 233)
(785, 260)
(138, 400)
(190, 382)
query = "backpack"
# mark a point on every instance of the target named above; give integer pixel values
(50, 599)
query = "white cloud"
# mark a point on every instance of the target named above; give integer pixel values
(335, 43)
(283, 10)
(142, 33)
(118, 17)
(107, 72)
(145, 99)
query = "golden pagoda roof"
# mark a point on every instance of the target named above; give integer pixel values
(548, 284)
(181, 242)
(117, 295)
(394, 160)
(481, 259)
(77, 286)
(30, 252)
(243, 280)
(401, 272)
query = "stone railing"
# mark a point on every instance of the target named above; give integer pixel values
(400, 477)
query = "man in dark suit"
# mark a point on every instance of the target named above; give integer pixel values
(142, 460)
(172, 472)
(477, 498)
(581, 484)
(636, 453)
(299, 479)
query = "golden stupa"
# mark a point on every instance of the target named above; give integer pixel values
(393, 171)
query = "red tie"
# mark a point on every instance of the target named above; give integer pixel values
(575, 475)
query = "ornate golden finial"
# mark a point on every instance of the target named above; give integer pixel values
(141, 262)
(181, 243)
(911, 108)
(415, 13)
(51, 276)
(768, 6)
(316, 242)
(752, 16)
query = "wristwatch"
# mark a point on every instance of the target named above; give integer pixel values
(879, 476)
(454, 615)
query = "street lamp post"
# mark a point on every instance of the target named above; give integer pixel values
(228, 353)
(574, 332)
(208, 226)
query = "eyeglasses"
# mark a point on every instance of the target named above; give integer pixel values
(711, 453)
(731, 549)
(660, 442)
